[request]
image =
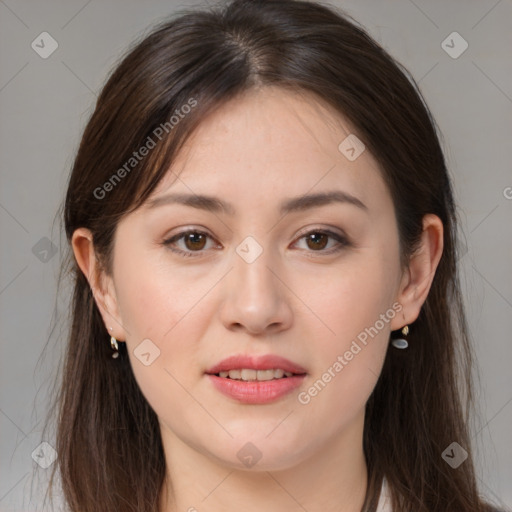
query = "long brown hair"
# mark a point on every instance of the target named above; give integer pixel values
(110, 455)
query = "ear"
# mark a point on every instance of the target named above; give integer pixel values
(417, 278)
(102, 285)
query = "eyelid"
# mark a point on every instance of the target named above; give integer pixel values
(318, 229)
(180, 235)
(341, 239)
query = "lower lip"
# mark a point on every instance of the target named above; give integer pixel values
(256, 392)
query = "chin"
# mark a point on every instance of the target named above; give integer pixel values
(260, 454)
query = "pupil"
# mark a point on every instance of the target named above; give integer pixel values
(314, 238)
(192, 238)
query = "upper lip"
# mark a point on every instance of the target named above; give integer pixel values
(266, 362)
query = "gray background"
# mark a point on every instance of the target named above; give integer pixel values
(44, 104)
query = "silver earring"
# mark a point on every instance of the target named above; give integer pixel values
(401, 343)
(115, 346)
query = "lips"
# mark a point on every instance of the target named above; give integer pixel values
(267, 362)
(256, 392)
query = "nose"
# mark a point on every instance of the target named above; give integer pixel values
(256, 298)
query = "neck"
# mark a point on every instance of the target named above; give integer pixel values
(333, 479)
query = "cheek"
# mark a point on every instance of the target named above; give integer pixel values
(174, 322)
(167, 307)
(356, 309)
(350, 300)
(154, 297)
(174, 327)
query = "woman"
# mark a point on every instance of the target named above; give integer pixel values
(266, 306)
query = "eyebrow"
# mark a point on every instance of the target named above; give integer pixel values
(295, 204)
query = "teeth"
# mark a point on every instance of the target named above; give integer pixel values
(234, 374)
(247, 374)
(260, 375)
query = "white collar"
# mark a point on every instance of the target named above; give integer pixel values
(384, 504)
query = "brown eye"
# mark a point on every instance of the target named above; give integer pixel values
(195, 241)
(317, 241)
(324, 242)
(189, 243)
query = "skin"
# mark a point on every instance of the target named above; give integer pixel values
(294, 300)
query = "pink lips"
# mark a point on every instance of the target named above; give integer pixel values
(256, 392)
(256, 363)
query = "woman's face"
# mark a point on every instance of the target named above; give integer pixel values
(265, 273)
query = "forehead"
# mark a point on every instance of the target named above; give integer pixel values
(273, 142)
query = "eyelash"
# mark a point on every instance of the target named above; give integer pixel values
(342, 242)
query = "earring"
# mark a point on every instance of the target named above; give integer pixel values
(115, 346)
(401, 343)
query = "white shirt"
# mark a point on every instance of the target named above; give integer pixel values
(384, 504)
